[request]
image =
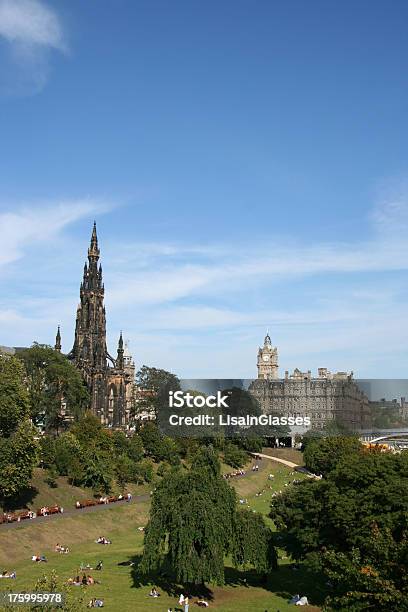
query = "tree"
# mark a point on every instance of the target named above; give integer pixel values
(193, 519)
(90, 433)
(253, 543)
(14, 401)
(18, 446)
(234, 456)
(53, 381)
(353, 526)
(135, 449)
(155, 385)
(18, 457)
(323, 454)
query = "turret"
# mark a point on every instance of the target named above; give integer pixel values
(57, 346)
(119, 359)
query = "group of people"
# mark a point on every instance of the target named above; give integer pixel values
(95, 603)
(185, 603)
(239, 472)
(61, 549)
(86, 580)
(45, 510)
(6, 574)
(103, 540)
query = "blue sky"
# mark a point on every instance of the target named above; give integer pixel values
(247, 166)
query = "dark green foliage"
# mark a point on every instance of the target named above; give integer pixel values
(18, 447)
(157, 446)
(194, 524)
(91, 434)
(156, 385)
(143, 471)
(68, 452)
(47, 451)
(51, 378)
(14, 401)
(191, 522)
(252, 543)
(97, 471)
(234, 456)
(51, 477)
(18, 457)
(322, 454)
(353, 526)
(135, 449)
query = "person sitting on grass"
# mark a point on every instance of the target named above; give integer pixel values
(96, 603)
(84, 580)
(154, 593)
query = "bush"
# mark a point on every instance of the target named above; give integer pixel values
(234, 456)
(143, 471)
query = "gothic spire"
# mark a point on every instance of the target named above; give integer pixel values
(93, 251)
(57, 346)
(119, 359)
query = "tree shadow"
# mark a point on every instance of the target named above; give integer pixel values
(20, 501)
(165, 581)
(284, 581)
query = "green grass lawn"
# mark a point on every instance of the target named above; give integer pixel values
(119, 584)
(64, 494)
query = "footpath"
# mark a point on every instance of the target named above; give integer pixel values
(99, 508)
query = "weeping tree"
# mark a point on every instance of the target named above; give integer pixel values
(194, 523)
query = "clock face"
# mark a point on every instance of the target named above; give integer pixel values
(266, 357)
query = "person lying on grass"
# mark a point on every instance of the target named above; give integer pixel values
(7, 574)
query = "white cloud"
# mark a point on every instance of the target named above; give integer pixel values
(32, 30)
(36, 225)
(204, 311)
(30, 22)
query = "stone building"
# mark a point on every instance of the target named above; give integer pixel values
(110, 380)
(324, 398)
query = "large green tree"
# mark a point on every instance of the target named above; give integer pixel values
(14, 400)
(352, 525)
(155, 385)
(194, 524)
(321, 455)
(53, 380)
(18, 446)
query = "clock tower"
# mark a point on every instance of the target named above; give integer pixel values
(268, 368)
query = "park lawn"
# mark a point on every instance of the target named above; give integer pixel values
(118, 582)
(64, 494)
(288, 454)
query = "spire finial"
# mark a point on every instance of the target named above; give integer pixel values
(57, 346)
(93, 250)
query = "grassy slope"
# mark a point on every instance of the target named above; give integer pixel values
(118, 583)
(64, 494)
